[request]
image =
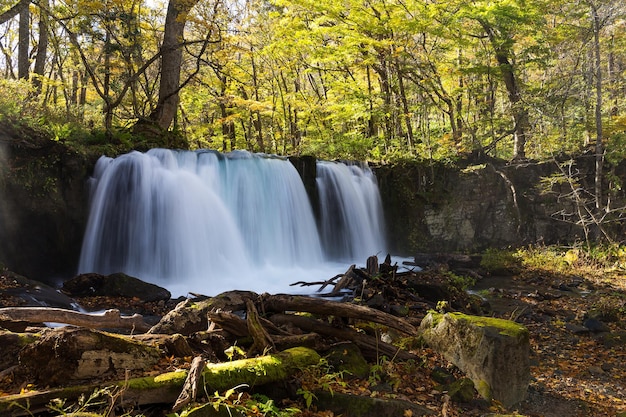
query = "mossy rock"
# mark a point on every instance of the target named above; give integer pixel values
(462, 390)
(348, 405)
(347, 357)
(494, 353)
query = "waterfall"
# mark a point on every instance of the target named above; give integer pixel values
(351, 213)
(208, 222)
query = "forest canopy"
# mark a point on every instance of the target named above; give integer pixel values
(363, 79)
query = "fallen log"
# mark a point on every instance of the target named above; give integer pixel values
(165, 388)
(371, 347)
(110, 319)
(284, 302)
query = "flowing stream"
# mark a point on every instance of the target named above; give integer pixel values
(207, 222)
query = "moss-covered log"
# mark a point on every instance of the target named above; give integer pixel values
(165, 388)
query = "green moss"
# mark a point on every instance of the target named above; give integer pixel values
(483, 388)
(264, 368)
(167, 379)
(504, 327)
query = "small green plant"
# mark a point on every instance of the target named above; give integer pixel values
(307, 395)
(234, 352)
(460, 282)
(499, 260)
(101, 400)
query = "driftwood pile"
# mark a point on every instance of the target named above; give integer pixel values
(290, 326)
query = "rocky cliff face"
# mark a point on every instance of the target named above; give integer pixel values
(439, 208)
(428, 207)
(43, 203)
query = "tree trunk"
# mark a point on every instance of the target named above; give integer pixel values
(171, 62)
(599, 151)
(405, 105)
(23, 63)
(42, 46)
(500, 44)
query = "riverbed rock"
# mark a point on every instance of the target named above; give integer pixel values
(494, 353)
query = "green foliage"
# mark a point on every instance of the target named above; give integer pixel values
(498, 260)
(15, 99)
(267, 407)
(381, 80)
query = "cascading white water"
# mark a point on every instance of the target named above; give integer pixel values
(351, 211)
(207, 222)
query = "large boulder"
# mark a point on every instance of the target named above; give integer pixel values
(114, 285)
(494, 353)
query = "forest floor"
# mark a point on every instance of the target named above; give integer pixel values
(577, 326)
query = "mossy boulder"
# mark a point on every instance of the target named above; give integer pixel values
(493, 353)
(347, 357)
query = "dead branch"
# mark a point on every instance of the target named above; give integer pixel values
(110, 319)
(190, 388)
(370, 346)
(262, 339)
(283, 302)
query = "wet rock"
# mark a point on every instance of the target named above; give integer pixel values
(441, 375)
(114, 285)
(28, 292)
(494, 353)
(576, 329)
(596, 326)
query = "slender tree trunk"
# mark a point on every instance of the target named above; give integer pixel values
(171, 62)
(258, 125)
(371, 121)
(106, 85)
(228, 126)
(23, 63)
(598, 112)
(405, 106)
(42, 46)
(520, 114)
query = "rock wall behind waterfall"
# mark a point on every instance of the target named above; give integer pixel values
(42, 203)
(440, 208)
